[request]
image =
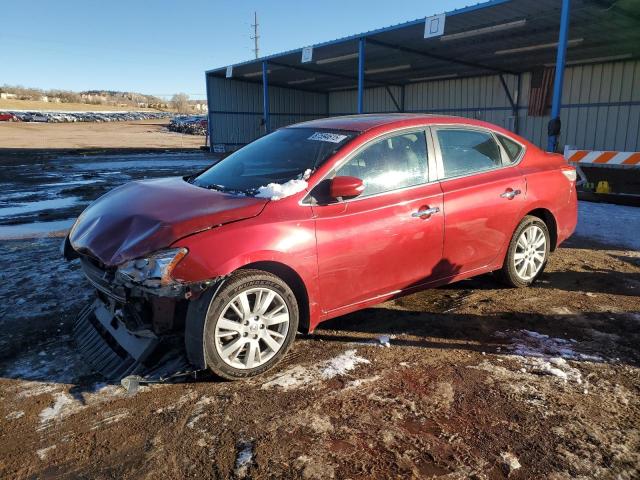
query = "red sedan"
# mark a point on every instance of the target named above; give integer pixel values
(313, 221)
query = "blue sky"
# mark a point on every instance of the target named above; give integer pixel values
(164, 46)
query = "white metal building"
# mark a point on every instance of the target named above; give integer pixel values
(494, 61)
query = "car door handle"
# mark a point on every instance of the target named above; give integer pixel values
(427, 212)
(510, 194)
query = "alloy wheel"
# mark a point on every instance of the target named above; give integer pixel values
(531, 251)
(252, 328)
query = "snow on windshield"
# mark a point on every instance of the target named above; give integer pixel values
(278, 191)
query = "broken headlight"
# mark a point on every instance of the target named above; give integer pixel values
(155, 268)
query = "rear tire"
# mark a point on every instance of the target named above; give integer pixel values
(527, 254)
(243, 328)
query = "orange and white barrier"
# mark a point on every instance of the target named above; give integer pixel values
(607, 158)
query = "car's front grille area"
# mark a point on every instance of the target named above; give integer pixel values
(101, 279)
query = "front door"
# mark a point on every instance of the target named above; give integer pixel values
(390, 237)
(483, 196)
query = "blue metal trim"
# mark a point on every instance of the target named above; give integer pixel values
(209, 120)
(560, 63)
(349, 38)
(601, 104)
(271, 114)
(265, 95)
(436, 110)
(361, 62)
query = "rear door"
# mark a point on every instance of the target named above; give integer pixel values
(379, 243)
(484, 194)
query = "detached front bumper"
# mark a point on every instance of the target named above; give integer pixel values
(133, 329)
(108, 346)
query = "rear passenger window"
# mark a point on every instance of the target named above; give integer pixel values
(512, 148)
(467, 151)
(389, 164)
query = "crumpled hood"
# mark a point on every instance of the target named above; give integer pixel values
(144, 216)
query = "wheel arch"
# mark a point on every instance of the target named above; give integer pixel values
(549, 219)
(295, 282)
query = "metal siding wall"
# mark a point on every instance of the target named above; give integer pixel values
(228, 95)
(376, 100)
(481, 98)
(236, 109)
(584, 123)
(343, 102)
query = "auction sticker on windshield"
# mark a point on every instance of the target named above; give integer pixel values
(327, 137)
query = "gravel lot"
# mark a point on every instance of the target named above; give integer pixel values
(468, 381)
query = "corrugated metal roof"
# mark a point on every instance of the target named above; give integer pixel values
(508, 36)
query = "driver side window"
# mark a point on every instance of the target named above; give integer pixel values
(390, 164)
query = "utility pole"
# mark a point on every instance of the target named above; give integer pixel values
(255, 34)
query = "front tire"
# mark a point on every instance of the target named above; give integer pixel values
(527, 254)
(245, 327)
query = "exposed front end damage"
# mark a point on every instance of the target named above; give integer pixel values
(135, 326)
(124, 243)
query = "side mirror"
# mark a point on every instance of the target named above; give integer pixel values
(346, 187)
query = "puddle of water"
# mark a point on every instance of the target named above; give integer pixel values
(143, 164)
(14, 195)
(75, 182)
(31, 207)
(35, 229)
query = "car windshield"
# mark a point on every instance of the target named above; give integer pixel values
(281, 156)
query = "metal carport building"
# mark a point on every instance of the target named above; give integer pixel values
(493, 61)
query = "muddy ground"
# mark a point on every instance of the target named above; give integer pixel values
(477, 381)
(44, 192)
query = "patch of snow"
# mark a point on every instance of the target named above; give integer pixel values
(545, 355)
(243, 460)
(528, 343)
(30, 207)
(15, 415)
(342, 364)
(299, 376)
(610, 224)
(43, 452)
(277, 191)
(62, 405)
(510, 461)
(292, 378)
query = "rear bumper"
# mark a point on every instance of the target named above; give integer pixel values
(567, 218)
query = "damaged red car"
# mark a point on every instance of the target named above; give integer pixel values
(308, 223)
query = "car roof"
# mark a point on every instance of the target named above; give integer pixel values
(362, 123)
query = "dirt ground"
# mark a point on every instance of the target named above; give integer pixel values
(469, 381)
(137, 134)
(464, 389)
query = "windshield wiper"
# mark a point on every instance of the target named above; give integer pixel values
(220, 188)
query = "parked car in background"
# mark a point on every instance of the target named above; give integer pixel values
(311, 222)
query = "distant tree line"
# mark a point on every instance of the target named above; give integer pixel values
(94, 97)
